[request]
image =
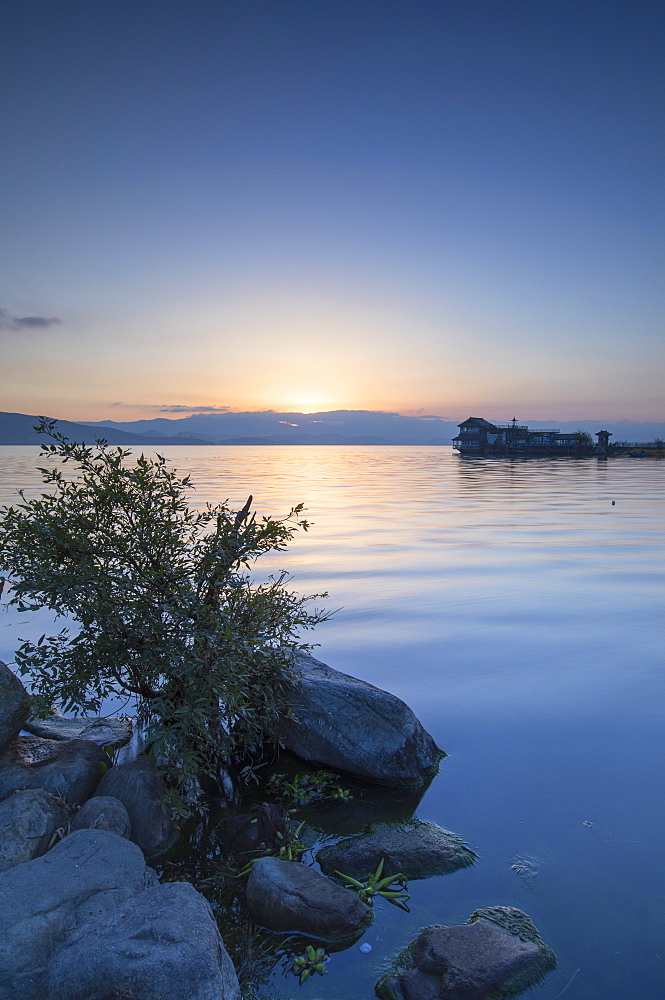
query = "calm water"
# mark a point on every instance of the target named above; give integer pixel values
(520, 614)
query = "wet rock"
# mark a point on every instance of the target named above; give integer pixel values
(14, 705)
(141, 790)
(111, 732)
(103, 812)
(88, 919)
(414, 849)
(161, 943)
(70, 769)
(498, 953)
(288, 896)
(349, 725)
(265, 827)
(28, 821)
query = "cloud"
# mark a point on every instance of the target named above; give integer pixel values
(9, 322)
(173, 407)
(178, 408)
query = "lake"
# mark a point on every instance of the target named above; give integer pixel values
(517, 606)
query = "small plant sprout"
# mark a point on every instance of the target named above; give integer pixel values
(375, 885)
(309, 962)
(290, 849)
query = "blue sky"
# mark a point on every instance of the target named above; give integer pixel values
(452, 207)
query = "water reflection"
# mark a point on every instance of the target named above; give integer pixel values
(519, 613)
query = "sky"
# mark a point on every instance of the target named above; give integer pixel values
(419, 206)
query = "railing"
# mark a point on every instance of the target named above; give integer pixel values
(529, 430)
(636, 444)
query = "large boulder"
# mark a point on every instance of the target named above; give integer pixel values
(141, 791)
(29, 821)
(498, 953)
(14, 705)
(109, 732)
(349, 725)
(290, 897)
(39, 901)
(103, 812)
(70, 769)
(414, 849)
(162, 943)
(89, 920)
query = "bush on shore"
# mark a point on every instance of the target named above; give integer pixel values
(165, 610)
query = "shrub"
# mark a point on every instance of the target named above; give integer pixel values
(165, 609)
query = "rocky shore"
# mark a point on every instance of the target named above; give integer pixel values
(83, 917)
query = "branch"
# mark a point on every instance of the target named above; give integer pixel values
(242, 514)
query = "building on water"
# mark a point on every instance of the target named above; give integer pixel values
(478, 436)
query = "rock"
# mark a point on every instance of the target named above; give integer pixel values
(14, 705)
(288, 896)
(28, 821)
(160, 944)
(141, 790)
(265, 827)
(349, 725)
(70, 769)
(414, 849)
(39, 901)
(111, 732)
(103, 812)
(89, 920)
(498, 953)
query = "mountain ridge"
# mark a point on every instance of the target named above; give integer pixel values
(269, 427)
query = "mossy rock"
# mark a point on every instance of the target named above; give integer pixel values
(497, 954)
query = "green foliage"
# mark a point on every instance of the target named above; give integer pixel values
(309, 962)
(289, 848)
(303, 789)
(164, 605)
(375, 885)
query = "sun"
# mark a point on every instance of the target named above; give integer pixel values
(306, 403)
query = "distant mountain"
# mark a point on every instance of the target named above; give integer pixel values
(352, 427)
(19, 428)
(332, 427)
(267, 427)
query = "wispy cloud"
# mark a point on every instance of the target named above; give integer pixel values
(173, 407)
(421, 415)
(179, 408)
(9, 322)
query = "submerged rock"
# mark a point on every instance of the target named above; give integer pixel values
(29, 819)
(141, 790)
(111, 732)
(103, 812)
(497, 954)
(70, 769)
(349, 725)
(288, 896)
(414, 849)
(14, 705)
(89, 920)
(266, 827)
